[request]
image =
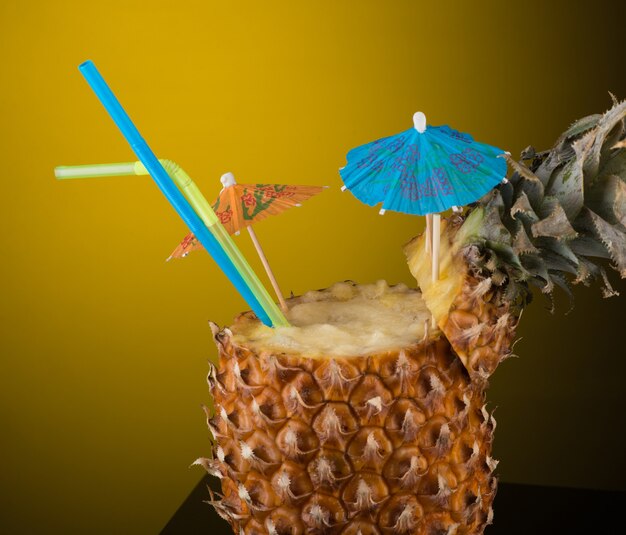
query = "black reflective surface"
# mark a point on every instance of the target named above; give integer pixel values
(519, 509)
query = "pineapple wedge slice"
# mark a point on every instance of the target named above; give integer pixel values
(469, 309)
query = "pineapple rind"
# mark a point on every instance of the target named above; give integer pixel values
(468, 307)
(398, 442)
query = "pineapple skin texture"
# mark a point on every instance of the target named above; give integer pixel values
(393, 443)
(472, 311)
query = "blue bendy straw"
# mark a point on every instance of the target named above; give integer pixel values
(167, 186)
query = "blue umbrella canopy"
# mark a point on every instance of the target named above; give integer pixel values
(423, 170)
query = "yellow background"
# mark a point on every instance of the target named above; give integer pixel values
(104, 346)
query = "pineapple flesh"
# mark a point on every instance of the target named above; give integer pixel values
(357, 421)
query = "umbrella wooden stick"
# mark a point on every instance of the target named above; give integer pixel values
(268, 269)
(436, 230)
(429, 231)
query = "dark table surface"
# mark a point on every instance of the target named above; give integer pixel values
(519, 509)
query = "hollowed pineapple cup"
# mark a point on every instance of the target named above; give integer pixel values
(393, 442)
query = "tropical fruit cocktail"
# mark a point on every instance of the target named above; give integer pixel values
(362, 418)
(361, 409)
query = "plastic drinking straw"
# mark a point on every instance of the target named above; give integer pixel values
(93, 171)
(199, 204)
(169, 189)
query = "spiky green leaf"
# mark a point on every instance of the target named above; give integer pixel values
(589, 147)
(614, 240)
(554, 222)
(615, 164)
(607, 198)
(567, 186)
(522, 243)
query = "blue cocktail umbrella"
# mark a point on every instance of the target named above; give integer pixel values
(422, 171)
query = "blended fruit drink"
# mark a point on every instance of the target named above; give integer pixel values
(357, 419)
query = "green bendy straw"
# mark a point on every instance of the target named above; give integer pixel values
(202, 208)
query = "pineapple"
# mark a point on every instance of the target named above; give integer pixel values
(397, 439)
(382, 440)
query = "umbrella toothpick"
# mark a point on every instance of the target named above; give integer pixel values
(436, 237)
(268, 269)
(429, 232)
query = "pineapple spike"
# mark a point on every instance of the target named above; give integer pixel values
(404, 371)
(377, 403)
(211, 467)
(406, 520)
(272, 365)
(291, 441)
(364, 499)
(490, 516)
(295, 396)
(372, 448)
(444, 440)
(324, 472)
(256, 409)
(283, 483)
(222, 507)
(213, 381)
(409, 427)
(412, 476)
(212, 429)
(444, 490)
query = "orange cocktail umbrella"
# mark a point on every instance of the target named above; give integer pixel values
(241, 205)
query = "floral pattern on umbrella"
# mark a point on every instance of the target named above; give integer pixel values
(241, 205)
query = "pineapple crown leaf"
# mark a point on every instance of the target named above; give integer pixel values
(598, 141)
(580, 126)
(554, 223)
(561, 213)
(522, 244)
(607, 198)
(567, 186)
